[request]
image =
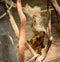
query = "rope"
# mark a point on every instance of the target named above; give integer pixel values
(49, 18)
(11, 4)
(8, 2)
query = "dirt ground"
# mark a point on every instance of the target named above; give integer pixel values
(53, 54)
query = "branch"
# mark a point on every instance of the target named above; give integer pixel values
(56, 5)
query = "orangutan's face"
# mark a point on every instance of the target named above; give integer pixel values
(37, 42)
